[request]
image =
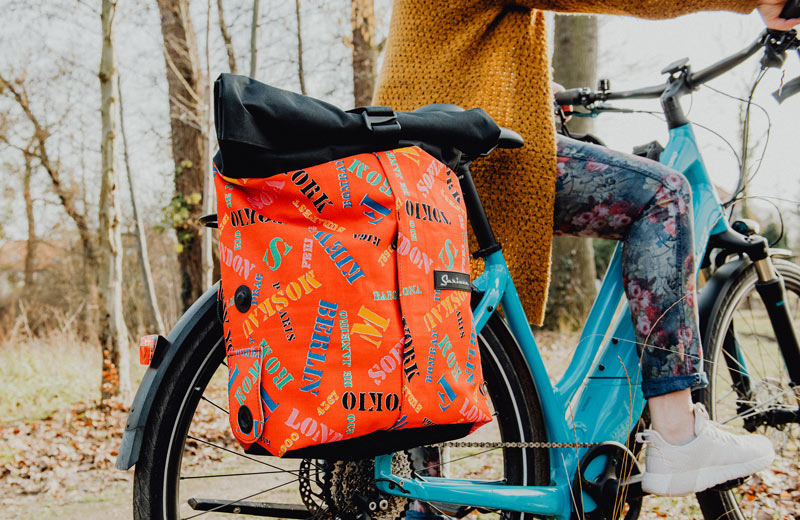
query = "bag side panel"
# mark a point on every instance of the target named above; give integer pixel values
(443, 382)
(321, 323)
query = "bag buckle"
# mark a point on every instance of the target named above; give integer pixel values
(381, 121)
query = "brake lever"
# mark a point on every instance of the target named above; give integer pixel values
(775, 46)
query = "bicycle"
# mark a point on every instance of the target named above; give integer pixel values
(558, 450)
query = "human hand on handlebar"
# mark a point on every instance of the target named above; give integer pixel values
(771, 13)
(556, 88)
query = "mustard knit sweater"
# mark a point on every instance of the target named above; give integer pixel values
(493, 54)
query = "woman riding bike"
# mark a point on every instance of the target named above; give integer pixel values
(493, 54)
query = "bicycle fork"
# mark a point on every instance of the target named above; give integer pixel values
(772, 290)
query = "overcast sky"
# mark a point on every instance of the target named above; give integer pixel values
(634, 51)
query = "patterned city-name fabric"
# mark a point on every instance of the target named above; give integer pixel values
(346, 301)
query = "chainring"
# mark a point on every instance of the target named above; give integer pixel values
(607, 488)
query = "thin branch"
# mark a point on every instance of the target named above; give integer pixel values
(226, 37)
(300, 73)
(174, 69)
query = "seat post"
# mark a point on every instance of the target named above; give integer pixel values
(487, 243)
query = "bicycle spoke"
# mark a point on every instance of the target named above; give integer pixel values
(212, 403)
(234, 474)
(753, 410)
(295, 473)
(732, 390)
(757, 336)
(455, 460)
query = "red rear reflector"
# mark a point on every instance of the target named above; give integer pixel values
(147, 348)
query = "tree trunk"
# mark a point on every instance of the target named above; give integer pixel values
(226, 37)
(301, 75)
(30, 250)
(153, 312)
(113, 334)
(187, 91)
(365, 52)
(254, 40)
(208, 197)
(572, 280)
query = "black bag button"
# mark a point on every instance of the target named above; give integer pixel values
(242, 298)
(245, 419)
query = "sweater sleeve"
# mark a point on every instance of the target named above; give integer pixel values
(642, 8)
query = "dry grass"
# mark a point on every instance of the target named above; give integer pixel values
(39, 376)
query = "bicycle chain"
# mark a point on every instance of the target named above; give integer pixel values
(457, 444)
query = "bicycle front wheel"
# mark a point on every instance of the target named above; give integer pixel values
(190, 463)
(748, 379)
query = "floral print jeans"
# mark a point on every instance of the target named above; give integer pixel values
(603, 193)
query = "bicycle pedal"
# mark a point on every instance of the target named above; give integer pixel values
(731, 484)
(633, 487)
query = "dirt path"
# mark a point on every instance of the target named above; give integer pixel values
(62, 467)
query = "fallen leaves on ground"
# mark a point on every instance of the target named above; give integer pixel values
(38, 457)
(72, 453)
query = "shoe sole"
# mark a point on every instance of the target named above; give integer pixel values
(694, 481)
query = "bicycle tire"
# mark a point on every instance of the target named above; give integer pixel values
(729, 314)
(157, 475)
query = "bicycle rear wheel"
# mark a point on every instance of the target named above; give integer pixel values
(748, 379)
(190, 463)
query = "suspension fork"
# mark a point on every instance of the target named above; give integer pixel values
(771, 288)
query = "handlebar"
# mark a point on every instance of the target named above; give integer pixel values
(775, 43)
(791, 9)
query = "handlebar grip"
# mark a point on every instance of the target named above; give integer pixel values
(791, 9)
(573, 96)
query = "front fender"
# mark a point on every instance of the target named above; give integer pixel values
(202, 310)
(709, 296)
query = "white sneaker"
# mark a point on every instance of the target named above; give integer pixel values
(714, 456)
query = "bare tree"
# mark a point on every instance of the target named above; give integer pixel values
(187, 92)
(301, 76)
(30, 249)
(153, 311)
(69, 195)
(254, 40)
(65, 192)
(572, 280)
(365, 51)
(113, 333)
(226, 37)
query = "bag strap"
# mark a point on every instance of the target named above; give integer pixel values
(381, 122)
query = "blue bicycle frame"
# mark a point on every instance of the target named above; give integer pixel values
(599, 397)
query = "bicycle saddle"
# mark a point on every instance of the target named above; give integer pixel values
(263, 130)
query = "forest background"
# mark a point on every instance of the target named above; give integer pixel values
(105, 103)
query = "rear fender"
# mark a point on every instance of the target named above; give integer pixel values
(201, 311)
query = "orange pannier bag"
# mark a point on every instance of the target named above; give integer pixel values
(346, 305)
